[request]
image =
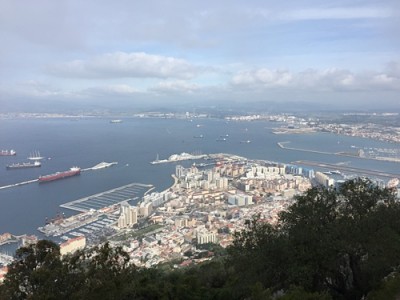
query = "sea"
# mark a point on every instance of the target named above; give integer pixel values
(134, 143)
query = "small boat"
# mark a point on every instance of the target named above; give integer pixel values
(245, 142)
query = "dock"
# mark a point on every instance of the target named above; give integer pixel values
(132, 191)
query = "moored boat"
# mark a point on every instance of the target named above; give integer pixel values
(59, 175)
(8, 153)
(35, 156)
(24, 165)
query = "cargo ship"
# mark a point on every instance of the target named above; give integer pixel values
(23, 165)
(59, 175)
(7, 153)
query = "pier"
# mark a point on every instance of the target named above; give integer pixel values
(133, 191)
(346, 169)
(18, 184)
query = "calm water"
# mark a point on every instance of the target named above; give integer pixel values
(133, 144)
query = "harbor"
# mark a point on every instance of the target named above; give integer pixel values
(141, 140)
(97, 213)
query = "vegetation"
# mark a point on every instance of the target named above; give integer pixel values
(330, 244)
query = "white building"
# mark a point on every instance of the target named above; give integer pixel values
(204, 237)
(129, 215)
(73, 245)
(324, 179)
(240, 199)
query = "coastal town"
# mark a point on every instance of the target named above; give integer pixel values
(213, 195)
(364, 125)
(194, 219)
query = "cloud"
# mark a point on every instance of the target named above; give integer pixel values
(316, 80)
(121, 90)
(178, 86)
(35, 89)
(127, 65)
(334, 13)
(44, 22)
(393, 69)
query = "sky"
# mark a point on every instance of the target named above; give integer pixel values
(338, 53)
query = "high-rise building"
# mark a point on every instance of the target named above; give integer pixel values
(128, 215)
(179, 171)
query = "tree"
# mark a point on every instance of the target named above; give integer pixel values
(35, 272)
(343, 242)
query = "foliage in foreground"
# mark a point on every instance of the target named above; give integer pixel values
(330, 244)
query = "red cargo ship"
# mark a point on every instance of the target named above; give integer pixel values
(7, 153)
(59, 175)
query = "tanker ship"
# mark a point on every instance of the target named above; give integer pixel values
(59, 175)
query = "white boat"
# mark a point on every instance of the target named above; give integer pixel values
(35, 155)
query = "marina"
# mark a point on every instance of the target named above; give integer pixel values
(133, 191)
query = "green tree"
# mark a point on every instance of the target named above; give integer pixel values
(35, 273)
(343, 242)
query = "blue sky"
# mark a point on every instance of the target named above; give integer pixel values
(344, 52)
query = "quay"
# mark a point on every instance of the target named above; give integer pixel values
(346, 168)
(111, 197)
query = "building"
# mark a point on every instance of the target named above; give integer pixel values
(179, 171)
(324, 179)
(205, 237)
(128, 217)
(240, 199)
(3, 273)
(73, 245)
